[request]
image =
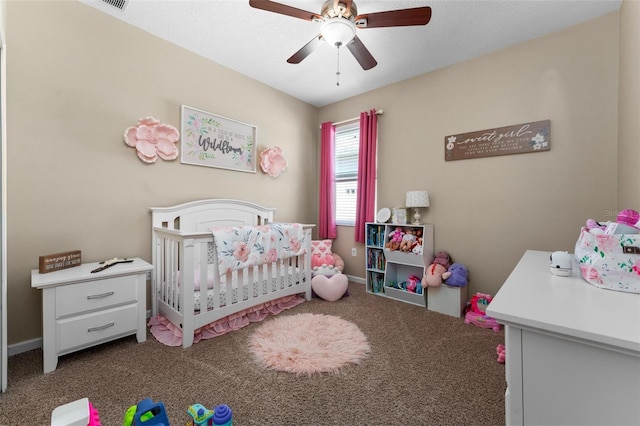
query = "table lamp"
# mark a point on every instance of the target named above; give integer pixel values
(417, 200)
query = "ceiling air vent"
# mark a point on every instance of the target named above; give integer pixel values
(120, 4)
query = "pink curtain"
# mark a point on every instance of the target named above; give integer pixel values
(366, 201)
(326, 214)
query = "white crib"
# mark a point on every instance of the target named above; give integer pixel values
(185, 259)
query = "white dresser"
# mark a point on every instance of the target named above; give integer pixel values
(573, 350)
(82, 309)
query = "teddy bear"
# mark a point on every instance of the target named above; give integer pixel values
(395, 239)
(459, 275)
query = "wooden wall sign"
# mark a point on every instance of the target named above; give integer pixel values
(516, 139)
(58, 261)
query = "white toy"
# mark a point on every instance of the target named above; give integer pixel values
(561, 263)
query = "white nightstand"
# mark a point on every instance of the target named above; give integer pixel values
(81, 309)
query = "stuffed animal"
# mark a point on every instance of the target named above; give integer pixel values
(395, 239)
(459, 275)
(412, 283)
(408, 240)
(596, 228)
(328, 265)
(417, 248)
(443, 258)
(434, 275)
(501, 352)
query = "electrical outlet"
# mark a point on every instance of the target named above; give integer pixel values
(354, 252)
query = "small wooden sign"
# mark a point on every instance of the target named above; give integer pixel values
(58, 261)
(516, 139)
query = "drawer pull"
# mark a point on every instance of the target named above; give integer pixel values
(102, 327)
(100, 296)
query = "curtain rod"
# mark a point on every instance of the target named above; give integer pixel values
(378, 112)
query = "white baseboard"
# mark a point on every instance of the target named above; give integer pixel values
(358, 280)
(27, 345)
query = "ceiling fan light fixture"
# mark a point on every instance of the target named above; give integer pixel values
(338, 31)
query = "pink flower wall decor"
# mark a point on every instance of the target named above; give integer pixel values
(272, 161)
(152, 139)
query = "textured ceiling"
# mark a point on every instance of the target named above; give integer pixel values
(257, 43)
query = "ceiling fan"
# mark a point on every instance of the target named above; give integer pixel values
(339, 22)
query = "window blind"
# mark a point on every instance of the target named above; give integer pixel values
(347, 142)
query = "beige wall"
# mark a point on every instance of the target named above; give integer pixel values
(77, 79)
(629, 107)
(486, 212)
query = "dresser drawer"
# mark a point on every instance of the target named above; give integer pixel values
(84, 330)
(83, 297)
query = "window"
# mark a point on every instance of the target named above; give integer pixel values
(347, 143)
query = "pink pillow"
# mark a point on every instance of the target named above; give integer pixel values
(321, 247)
(330, 289)
(324, 259)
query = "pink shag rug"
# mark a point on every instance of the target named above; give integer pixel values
(308, 343)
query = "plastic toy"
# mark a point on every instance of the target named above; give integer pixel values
(76, 412)
(200, 415)
(502, 356)
(479, 302)
(146, 413)
(476, 313)
(221, 415)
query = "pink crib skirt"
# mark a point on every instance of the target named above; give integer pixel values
(165, 332)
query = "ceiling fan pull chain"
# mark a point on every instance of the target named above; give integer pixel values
(338, 70)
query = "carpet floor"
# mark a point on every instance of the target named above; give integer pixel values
(424, 368)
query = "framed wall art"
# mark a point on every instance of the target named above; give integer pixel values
(214, 141)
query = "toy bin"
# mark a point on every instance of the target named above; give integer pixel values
(398, 273)
(447, 300)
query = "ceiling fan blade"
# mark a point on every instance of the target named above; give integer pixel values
(306, 50)
(283, 9)
(362, 55)
(395, 18)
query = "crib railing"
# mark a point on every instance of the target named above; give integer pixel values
(185, 261)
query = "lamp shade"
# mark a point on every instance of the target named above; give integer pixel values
(417, 199)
